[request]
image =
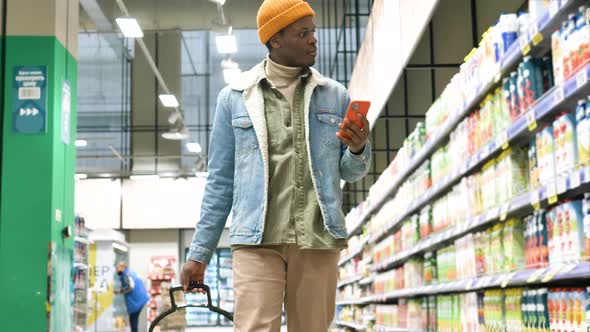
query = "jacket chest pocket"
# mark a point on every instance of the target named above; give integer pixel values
(245, 136)
(328, 123)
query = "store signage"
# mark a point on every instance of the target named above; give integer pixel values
(66, 105)
(29, 100)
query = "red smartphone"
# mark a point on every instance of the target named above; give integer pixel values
(356, 107)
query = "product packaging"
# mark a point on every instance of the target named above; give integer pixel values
(564, 133)
(546, 155)
(533, 165)
(514, 253)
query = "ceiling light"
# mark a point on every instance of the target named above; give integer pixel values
(219, 2)
(194, 147)
(226, 44)
(119, 247)
(144, 177)
(129, 27)
(81, 143)
(80, 176)
(169, 100)
(176, 135)
(230, 75)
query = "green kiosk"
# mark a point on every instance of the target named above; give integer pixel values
(38, 69)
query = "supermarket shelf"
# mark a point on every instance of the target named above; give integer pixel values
(370, 318)
(352, 325)
(81, 239)
(530, 277)
(81, 266)
(546, 24)
(366, 281)
(569, 186)
(354, 253)
(350, 280)
(381, 328)
(359, 301)
(546, 107)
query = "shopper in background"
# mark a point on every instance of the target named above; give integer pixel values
(136, 295)
(276, 158)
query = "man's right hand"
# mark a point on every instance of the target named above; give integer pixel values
(192, 272)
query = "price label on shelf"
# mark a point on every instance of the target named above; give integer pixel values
(504, 211)
(581, 78)
(561, 185)
(552, 193)
(531, 120)
(575, 179)
(535, 198)
(502, 140)
(553, 7)
(536, 275)
(525, 46)
(559, 94)
(535, 35)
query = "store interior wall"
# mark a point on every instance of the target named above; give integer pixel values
(414, 87)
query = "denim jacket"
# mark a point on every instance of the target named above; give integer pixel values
(239, 161)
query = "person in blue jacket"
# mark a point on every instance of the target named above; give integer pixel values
(136, 295)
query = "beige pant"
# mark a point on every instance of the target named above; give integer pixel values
(305, 280)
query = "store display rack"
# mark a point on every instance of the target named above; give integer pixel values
(352, 325)
(380, 328)
(568, 186)
(350, 280)
(81, 283)
(355, 252)
(539, 37)
(530, 277)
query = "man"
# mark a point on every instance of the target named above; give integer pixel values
(276, 158)
(136, 295)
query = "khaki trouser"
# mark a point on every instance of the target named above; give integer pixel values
(304, 279)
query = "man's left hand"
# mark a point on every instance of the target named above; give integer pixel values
(357, 137)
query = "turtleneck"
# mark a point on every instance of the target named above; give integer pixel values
(283, 78)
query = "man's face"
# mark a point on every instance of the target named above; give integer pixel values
(296, 45)
(121, 267)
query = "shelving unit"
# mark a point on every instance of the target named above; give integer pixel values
(361, 292)
(81, 282)
(352, 325)
(546, 24)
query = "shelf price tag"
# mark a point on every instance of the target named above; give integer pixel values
(552, 273)
(536, 275)
(559, 94)
(552, 193)
(581, 78)
(504, 211)
(561, 185)
(502, 140)
(535, 35)
(531, 120)
(535, 199)
(525, 46)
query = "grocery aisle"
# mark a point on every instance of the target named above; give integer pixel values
(482, 219)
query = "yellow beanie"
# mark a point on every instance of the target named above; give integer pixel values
(275, 15)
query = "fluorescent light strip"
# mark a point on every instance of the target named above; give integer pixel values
(80, 176)
(169, 100)
(120, 247)
(81, 143)
(194, 147)
(129, 27)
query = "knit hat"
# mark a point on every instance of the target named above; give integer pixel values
(275, 15)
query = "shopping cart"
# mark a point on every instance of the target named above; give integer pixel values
(175, 308)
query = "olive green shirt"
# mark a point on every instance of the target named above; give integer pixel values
(293, 215)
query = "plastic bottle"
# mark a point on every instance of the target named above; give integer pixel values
(583, 133)
(508, 26)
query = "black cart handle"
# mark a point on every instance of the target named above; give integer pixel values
(175, 307)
